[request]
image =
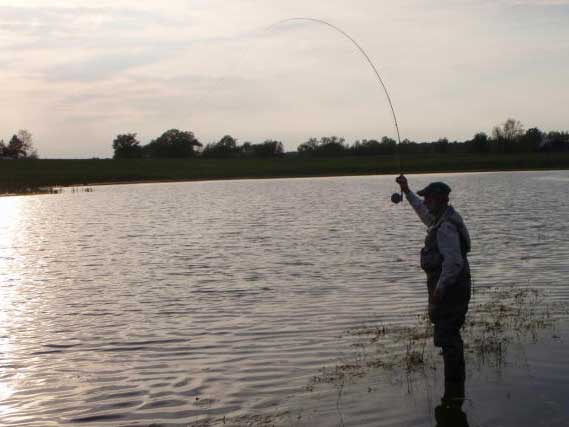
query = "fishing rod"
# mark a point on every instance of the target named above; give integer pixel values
(395, 197)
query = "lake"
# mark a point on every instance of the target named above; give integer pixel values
(218, 303)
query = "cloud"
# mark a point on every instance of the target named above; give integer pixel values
(99, 67)
(452, 67)
(73, 20)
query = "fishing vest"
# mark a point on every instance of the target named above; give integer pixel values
(432, 262)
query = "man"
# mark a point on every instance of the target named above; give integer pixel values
(444, 260)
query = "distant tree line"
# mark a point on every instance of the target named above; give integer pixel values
(508, 137)
(183, 144)
(20, 146)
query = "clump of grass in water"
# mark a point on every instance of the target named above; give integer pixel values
(510, 315)
(31, 191)
(387, 352)
(34, 191)
(281, 418)
(505, 316)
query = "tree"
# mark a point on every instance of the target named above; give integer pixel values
(532, 140)
(508, 134)
(366, 147)
(225, 147)
(269, 148)
(246, 149)
(325, 146)
(15, 148)
(510, 130)
(373, 147)
(441, 145)
(480, 143)
(19, 147)
(388, 145)
(126, 146)
(173, 144)
(557, 141)
(309, 147)
(228, 145)
(331, 146)
(407, 146)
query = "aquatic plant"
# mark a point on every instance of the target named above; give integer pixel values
(269, 420)
(498, 318)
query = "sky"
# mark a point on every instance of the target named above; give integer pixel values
(77, 73)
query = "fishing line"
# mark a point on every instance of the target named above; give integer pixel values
(396, 197)
(363, 52)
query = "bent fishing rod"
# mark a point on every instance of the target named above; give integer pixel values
(395, 197)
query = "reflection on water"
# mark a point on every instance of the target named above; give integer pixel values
(450, 417)
(179, 303)
(12, 220)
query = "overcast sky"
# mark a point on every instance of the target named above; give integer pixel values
(76, 75)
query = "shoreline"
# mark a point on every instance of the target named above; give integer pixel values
(280, 177)
(44, 190)
(45, 175)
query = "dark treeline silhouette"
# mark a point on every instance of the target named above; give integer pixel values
(171, 144)
(182, 144)
(19, 147)
(228, 147)
(509, 137)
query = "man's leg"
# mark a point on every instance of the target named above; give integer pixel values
(447, 336)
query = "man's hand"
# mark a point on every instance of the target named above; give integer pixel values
(402, 181)
(437, 297)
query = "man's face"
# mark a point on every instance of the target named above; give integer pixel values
(434, 203)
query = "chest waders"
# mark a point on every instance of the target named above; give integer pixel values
(457, 295)
(448, 316)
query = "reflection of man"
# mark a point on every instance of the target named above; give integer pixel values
(449, 416)
(448, 278)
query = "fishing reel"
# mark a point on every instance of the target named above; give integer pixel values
(397, 198)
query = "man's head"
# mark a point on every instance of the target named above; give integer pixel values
(436, 197)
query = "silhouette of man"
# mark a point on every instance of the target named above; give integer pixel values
(444, 260)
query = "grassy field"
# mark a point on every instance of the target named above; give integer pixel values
(31, 175)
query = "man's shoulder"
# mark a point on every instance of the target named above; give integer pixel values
(451, 222)
(454, 217)
(448, 227)
(452, 225)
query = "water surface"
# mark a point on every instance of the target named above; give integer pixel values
(168, 304)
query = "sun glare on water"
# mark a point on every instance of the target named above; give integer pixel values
(10, 215)
(10, 219)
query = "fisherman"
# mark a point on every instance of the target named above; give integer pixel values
(444, 260)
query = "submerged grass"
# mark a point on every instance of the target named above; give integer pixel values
(499, 319)
(506, 316)
(245, 420)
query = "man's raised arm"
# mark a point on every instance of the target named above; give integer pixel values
(417, 204)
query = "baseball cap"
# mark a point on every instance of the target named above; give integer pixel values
(435, 188)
